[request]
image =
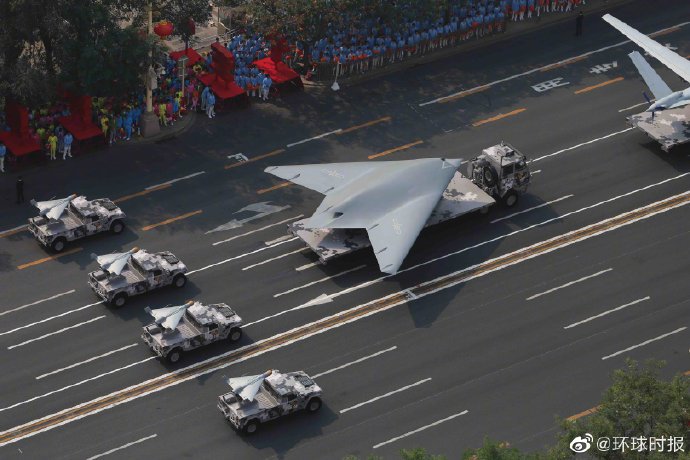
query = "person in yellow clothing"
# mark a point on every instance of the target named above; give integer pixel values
(161, 114)
(52, 142)
(104, 126)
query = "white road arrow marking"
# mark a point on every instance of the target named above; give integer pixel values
(262, 209)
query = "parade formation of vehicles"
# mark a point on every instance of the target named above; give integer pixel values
(73, 218)
(499, 173)
(193, 325)
(257, 399)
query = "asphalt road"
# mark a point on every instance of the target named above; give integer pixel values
(497, 346)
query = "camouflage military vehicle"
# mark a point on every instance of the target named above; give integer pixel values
(135, 272)
(502, 172)
(271, 395)
(73, 218)
(192, 325)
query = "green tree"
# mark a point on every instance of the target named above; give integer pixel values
(419, 453)
(638, 404)
(181, 12)
(496, 450)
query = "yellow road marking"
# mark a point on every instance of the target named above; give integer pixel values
(584, 413)
(600, 85)
(396, 149)
(47, 259)
(497, 117)
(275, 187)
(343, 317)
(465, 93)
(145, 192)
(251, 160)
(563, 63)
(172, 219)
(13, 232)
(664, 32)
(364, 125)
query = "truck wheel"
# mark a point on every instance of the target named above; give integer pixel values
(119, 300)
(251, 427)
(490, 176)
(179, 281)
(117, 226)
(58, 245)
(314, 405)
(174, 356)
(235, 334)
(510, 199)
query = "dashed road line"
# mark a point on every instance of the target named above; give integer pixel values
(257, 158)
(129, 444)
(337, 275)
(37, 302)
(60, 315)
(59, 331)
(320, 136)
(364, 125)
(629, 304)
(48, 259)
(646, 342)
(248, 267)
(500, 116)
(72, 366)
(172, 181)
(425, 427)
(230, 259)
(396, 149)
(275, 187)
(563, 286)
(138, 194)
(357, 361)
(510, 216)
(171, 220)
(599, 85)
(390, 393)
(258, 230)
(581, 144)
(13, 231)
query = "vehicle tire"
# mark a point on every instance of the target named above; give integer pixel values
(235, 334)
(119, 300)
(314, 405)
(251, 427)
(58, 244)
(174, 356)
(179, 280)
(117, 226)
(510, 199)
(490, 176)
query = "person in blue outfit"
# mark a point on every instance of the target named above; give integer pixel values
(67, 146)
(210, 105)
(266, 87)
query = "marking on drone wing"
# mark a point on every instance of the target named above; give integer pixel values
(36, 302)
(261, 209)
(129, 444)
(646, 342)
(425, 427)
(48, 259)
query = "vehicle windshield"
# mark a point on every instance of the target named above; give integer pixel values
(192, 320)
(75, 211)
(135, 266)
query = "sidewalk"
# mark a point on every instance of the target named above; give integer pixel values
(513, 29)
(169, 132)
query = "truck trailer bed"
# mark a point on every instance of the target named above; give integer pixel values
(460, 197)
(668, 127)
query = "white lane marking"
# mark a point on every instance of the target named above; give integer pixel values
(394, 304)
(305, 266)
(176, 180)
(90, 379)
(582, 144)
(512, 77)
(48, 319)
(483, 243)
(129, 444)
(410, 433)
(257, 230)
(238, 257)
(314, 138)
(509, 216)
(563, 286)
(273, 258)
(535, 172)
(14, 229)
(634, 302)
(390, 393)
(278, 240)
(646, 342)
(37, 302)
(60, 331)
(72, 366)
(357, 361)
(337, 275)
(636, 105)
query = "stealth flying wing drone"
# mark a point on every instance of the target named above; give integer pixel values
(392, 200)
(665, 97)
